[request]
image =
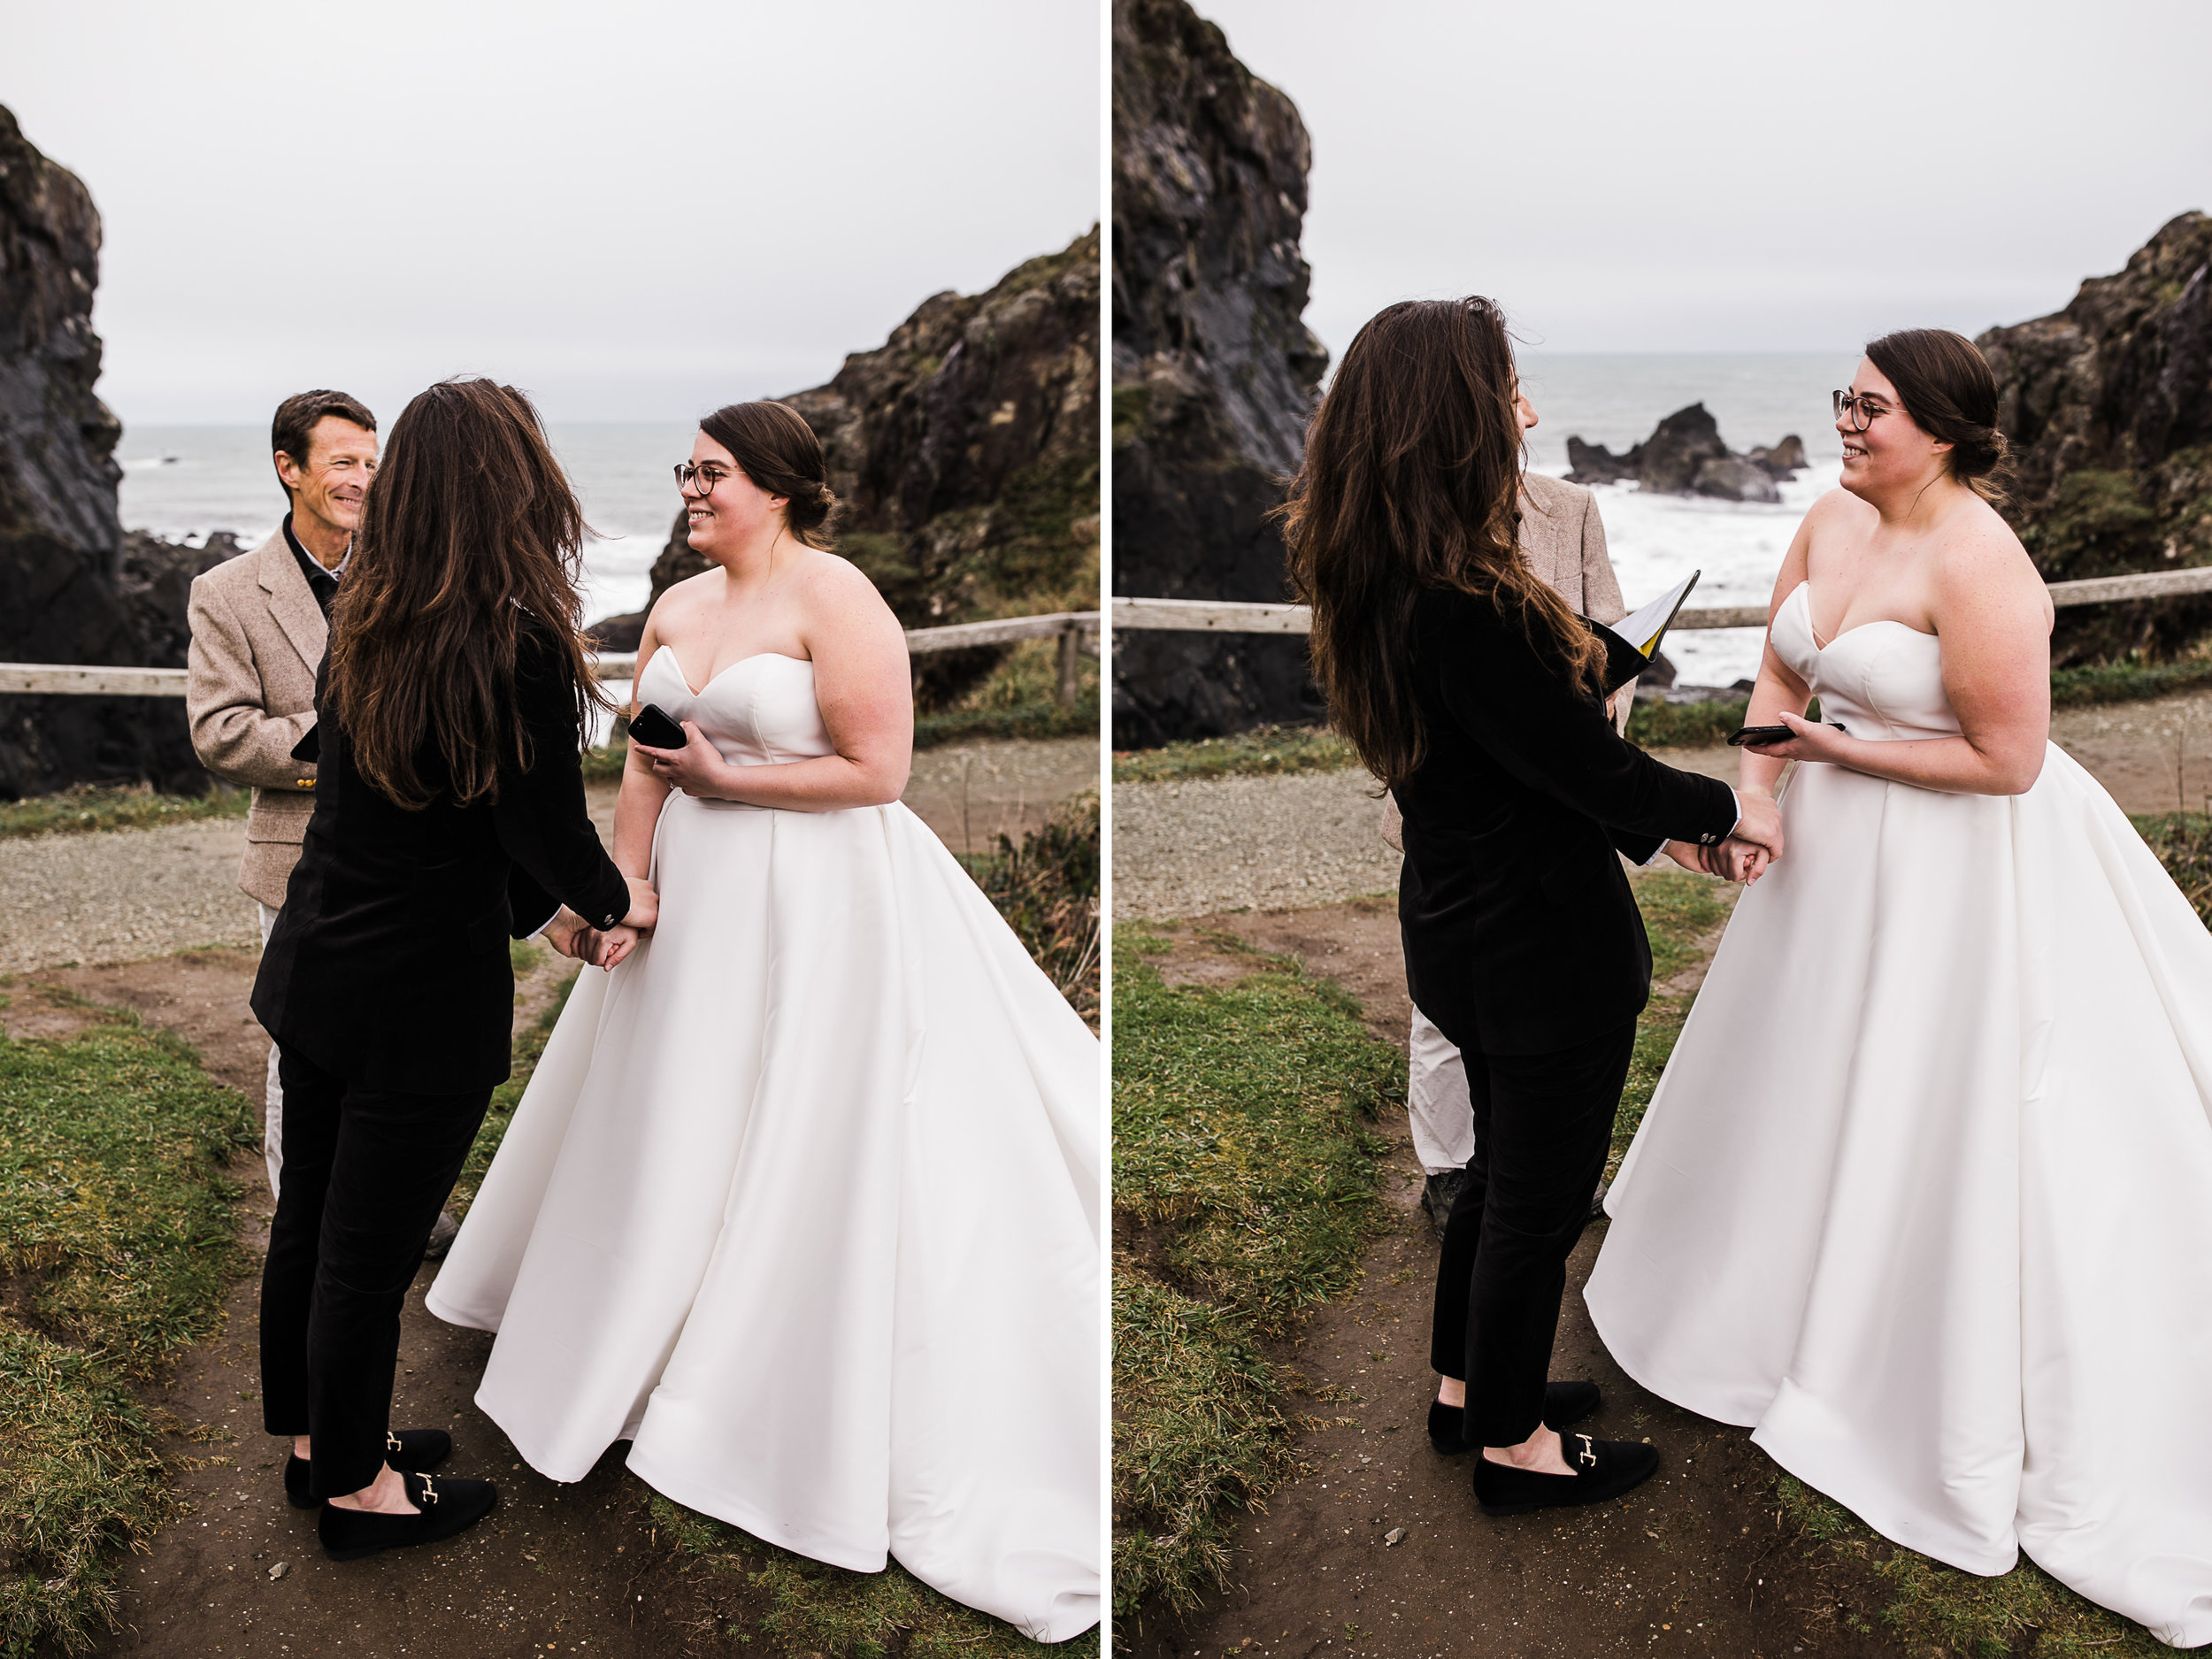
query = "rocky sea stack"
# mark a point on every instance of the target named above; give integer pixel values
(2109, 408)
(1685, 457)
(1214, 370)
(69, 590)
(965, 450)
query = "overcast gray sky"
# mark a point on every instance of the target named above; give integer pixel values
(635, 210)
(1714, 176)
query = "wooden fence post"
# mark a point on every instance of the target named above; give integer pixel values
(1070, 642)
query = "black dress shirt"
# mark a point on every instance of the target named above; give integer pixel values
(321, 582)
(1522, 935)
(388, 964)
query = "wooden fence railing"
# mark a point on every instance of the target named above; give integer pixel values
(1070, 627)
(1224, 616)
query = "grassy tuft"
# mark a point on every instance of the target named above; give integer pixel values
(2183, 841)
(815, 1608)
(90, 807)
(116, 1220)
(1654, 724)
(1243, 1153)
(2130, 680)
(1939, 1611)
(1263, 751)
(1199, 1433)
(1047, 888)
(80, 1479)
(111, 1191)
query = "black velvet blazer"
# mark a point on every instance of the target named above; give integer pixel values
(388, 964)
(1521, 934)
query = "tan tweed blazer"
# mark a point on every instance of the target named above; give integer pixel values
(258, 640)
(1564, 540)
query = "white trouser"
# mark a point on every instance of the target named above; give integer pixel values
(272, 1130)
(1437, 1106)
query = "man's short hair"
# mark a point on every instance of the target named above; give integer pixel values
(294, 428)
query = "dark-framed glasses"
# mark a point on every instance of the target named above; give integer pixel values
(701, 476)
(1860, 407)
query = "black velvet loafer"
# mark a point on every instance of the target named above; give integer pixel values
(1602, 1470)
(449, 1506)
(404, 1449)
(1564, 1403)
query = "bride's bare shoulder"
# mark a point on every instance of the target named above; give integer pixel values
(1979, 557)
(1839, 510)
(834, 591)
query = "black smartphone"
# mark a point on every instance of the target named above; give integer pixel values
(1745, 735)
(1739, 738)
(651, 727)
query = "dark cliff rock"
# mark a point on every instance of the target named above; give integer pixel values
(2108, 405)
(1685, 457)
(61, 545)
(1214, 370)
(966, 451)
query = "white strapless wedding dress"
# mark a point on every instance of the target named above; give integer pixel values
(803, 1200)
(1925, 1193)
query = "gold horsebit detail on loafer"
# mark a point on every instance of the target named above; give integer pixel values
(429, 1492)
(392, 1442)
(1589, 1452)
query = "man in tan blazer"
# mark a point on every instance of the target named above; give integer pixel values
(259, 624)
(1563, 539)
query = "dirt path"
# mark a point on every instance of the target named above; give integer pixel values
(1696, 1562)
(555, 1569)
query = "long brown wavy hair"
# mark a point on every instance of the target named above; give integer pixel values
(1411, 481)
(469, 530)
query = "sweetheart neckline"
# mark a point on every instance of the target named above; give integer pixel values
(1806, 587)
(677, 664)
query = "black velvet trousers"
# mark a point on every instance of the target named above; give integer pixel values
(1543, 1123)
(365, 1173)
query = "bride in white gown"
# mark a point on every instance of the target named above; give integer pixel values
(1925, 1193)
(803, 1199)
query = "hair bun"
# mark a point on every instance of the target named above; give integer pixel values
(780, 453)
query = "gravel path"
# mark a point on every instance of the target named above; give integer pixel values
(1260, 843)
(123, 894)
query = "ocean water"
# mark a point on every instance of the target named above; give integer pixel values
(1655, 540)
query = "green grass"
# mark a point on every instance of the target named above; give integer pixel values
(2129, 680)
(1047, 888)
(1243, 1150)
(89, 808)
(816, 1609)
(1262, 751)
(1940, 1612)
(2183, 841)
(116, 1225)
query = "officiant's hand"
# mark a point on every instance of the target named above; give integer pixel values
(569, 933)
(1741, 861)
(694, 768)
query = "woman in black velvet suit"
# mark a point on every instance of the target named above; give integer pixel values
(1473, 693)
(448, 816)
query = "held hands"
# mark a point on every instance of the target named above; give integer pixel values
(1756, 842)
(692, 768)
(613, 946)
